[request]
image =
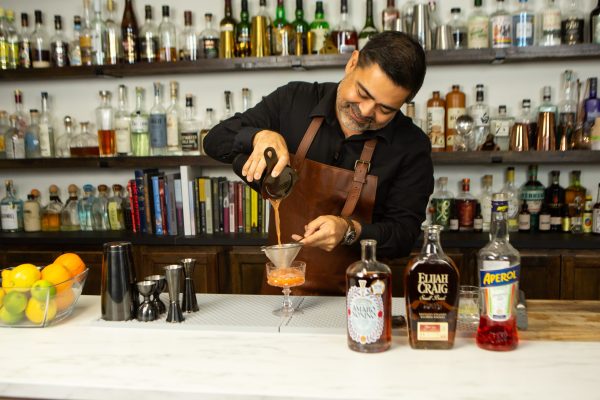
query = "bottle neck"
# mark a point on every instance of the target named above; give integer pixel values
(499, 6)
(228, 12)
(431, 237)
(280, 10)
(368, 251)
(44, 105)
(139, 101)
(369, 21)
(499, 225)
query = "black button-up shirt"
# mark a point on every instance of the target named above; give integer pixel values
(402, 158)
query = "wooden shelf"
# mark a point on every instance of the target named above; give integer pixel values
(434, 57)
(513, 157)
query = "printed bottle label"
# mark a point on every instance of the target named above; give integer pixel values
(551, 20)
(113, 216)
(189, 141)
(441, 213)
(172, 131)
(365, 313)
(45, 147)
(157, 126)
(9, 214)
(139, 124)
(544, 222)
(478, 36)
(499, 282)
(453, 114)
(436, 126)
(596, 221)
(123, 135)
(524, 222)
(501, 31)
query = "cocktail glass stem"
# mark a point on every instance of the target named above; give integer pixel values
(286, 307)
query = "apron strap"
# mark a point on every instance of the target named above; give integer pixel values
(307, 140)
(361, 169)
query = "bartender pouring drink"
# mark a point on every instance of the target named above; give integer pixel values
(365, 169)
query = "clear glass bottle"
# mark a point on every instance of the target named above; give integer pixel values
(190, 129)
(227, 33)
(46, 129)
(369, 302)
(105, 124)
(99, 37)
(59, 45)
(501, 126)
(11, 210)
(345, 36)
(260, 39)
(442, 202)
(244, 33)
(100, 220)
(575, 193)
(550, 25)
(567, 110)
(497, 324)
(466, 206)
(157, 124)
(149, 38)
(62, 143)
(85, 143)
(31, 215)
(12, 41)
(389, 16)
(434, 19)
(69, 215)
(22, 117)
(532, 192)
(14, 140)
(500, 27)
(572, 24)
(458, 28)
(123, 124)
(299, 31)
(174, 114)
(411, 113)
(554, 199)
(3, 41)
(245, 99)
(32, 136)
(486, 201)
(228, 106)
(167, 37)
(577, 217)
(189, 39)
(40, 45)
(115, 209)
(319, 28)
(114, 47)
(480, 112)
(207, 126)
(84, 208)
(75, 44)
(85, 37)
(369, 29)
(523, 25)
(512, 197)
(595, 24)
(140, 136)
(209, 39)
(25, 56)
(51, 212)
(407, 15)
(431, 290)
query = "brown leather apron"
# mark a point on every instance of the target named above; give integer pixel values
(324, 190)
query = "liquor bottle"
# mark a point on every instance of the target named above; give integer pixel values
(243, 33)
(167, 38)
(245, 99)
(299, 30)
(466, 207)
(32, 221)
(567, 110)
(480, 112)
(114, 49)
(592, 104)
(512, 197)
(228, 106)
(140, 136)
(521, 130)
(207, 126)
(407, 16)
(148, 38)
(11, 210)
(411, 113)
(14, 140)
(550, 25)
(524, 218)
(84, 208)
(369, 29)
(85, 144)
(497, 324)
(85, 37)
(40, 45)
(545, 219)
(523, 25)
(63, 141)
(4, 127)
(75, 44)
(596, 214)
(455, 107)
(32, 136)
(532, 192)
(478, 219)
(486, 201)
(157, 124)
(105, 122)
(46, 130)
(345, 36)
(227, 33)
(100, 210)
(587, 214)
(500, 127)
(260, 40)
(115, 209)
(123, 124)
(173, 117)
(500, 27)
(389, 16)
(369, 302)
(12, 41)
(436, 122)
(547, 105)
(69, 215)
(25, 56)
(209, 38)
(478, 35)
(22, 118)
(51, 212)
(595, 24)
(554, 201)
(99, 38)
(571, 26)
(190, 129)
(130, 34)
(431, 289)
(281, 31)
(188, 50)
(3, 41)
(577, 216)
(565, 219)
(442, 202)
(575, 193)
(453, 222)
(319, 29)
(458, 28)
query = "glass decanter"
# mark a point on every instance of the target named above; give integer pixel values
(51, 212)
(69, 217)
(84, 208)
(100, 210)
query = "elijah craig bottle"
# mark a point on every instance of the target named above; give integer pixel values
(431, 291)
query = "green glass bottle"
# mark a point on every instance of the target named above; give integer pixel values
(281, 32)
(319, 29)
(300, 30)
(242, 41)
(369, 29)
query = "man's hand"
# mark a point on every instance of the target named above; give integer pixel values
(256, 164)
(325, 232)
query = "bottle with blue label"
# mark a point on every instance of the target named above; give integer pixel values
(499, 269)
(157, 124)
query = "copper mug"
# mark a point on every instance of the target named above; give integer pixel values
(546, 135)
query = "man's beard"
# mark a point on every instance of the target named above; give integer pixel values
(349, 112)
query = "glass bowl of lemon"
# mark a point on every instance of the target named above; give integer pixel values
(32, 296)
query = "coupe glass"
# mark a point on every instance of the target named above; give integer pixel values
(286, 278)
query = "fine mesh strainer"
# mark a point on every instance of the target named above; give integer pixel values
(282, 255)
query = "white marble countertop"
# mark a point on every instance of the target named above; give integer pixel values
(78, 358)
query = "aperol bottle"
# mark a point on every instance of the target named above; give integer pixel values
(499, 267)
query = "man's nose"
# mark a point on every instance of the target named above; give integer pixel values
(367, 108)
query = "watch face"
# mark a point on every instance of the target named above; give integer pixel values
(350, 236)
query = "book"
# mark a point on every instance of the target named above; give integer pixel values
(247, 209)
(158, 227)
(239, 204)
(188, 174)
(163, 204)
(232, 211)
(253, 211)
(170, 202)
(202, 204)
(178, 203)
(224, 195)
(217, 224)
(132, 195)
(209, 206)
(141, 200)
(149, 199)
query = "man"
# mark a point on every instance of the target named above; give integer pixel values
(365, 170)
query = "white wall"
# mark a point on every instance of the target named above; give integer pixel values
(505, 84)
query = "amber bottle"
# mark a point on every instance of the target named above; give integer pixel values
(436, 122)
(455, 107)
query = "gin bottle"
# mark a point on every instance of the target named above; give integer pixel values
(173, 117)
(501, 126)
(480, 112)
(500, 27)
(84, 208)
(51, 212)
(157, 123)
(442, 202)
(100, 220)
(550, 24)
(32, 136)
(123, 124)
(115, 209)
(486, 201)
(69, 215)
(532, 193)
(140, 137)
(478, 36)
(512, 197)
(499, 269)
(369, 302)
(190, 129)
(31, 215)
(523, 25)
(14, 141)
(11, 210)
(46, 129)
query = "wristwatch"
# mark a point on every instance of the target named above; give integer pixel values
(350, 235)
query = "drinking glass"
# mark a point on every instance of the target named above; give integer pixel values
(468, 309)
(286, 278)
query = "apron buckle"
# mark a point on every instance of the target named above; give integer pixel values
(367, 163)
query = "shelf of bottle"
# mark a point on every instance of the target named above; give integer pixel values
(517, 157)
(434, 57)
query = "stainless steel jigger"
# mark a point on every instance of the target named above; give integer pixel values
(147, 311)
(160, 286)
(190, 303)
(173, 275)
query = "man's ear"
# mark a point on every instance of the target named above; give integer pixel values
(352, 62)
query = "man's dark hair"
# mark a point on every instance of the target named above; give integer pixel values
(400, 56)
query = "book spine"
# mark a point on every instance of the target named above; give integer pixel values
(179, 205)
(231, 192)
(239, 204)
(149, 200)
(163, 205)
(216, 204)
(254, 211)
(247, 209)
(209, 206)
(157, 214)
(224, 189)
(132, 204)
(141, 201)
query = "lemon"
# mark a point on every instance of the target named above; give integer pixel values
(9, 318)
(25, 275)
(15, 302)
(42, 289)
(2, 293)
(36, 310)
(7, 279)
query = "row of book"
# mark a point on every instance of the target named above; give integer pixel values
(180, 203)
